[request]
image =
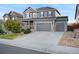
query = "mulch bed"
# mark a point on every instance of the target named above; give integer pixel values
(69, 40)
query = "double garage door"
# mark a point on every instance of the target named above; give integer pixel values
(60, 27)
(43, 26)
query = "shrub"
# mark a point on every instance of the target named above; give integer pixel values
(69, 28)
(74, 26)
(1, 29)
(22, 30)
(13, 25)
(26, 31)
(2, 32)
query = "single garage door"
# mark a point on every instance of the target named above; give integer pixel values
(60, 26)
(43, 26)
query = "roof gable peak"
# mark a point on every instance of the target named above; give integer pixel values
(30, 9)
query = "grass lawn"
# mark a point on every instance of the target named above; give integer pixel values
(8, 36)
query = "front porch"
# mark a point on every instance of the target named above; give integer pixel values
(28, 24)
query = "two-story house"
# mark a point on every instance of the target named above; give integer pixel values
(44, 19)
(13, 15)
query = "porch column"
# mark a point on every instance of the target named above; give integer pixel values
(53, 25)
(29, 24)
(34, 26)
(32, 14)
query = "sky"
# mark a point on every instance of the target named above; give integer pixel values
(64, 9)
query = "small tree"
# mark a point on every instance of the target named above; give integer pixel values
(75, 26)
(12, 25)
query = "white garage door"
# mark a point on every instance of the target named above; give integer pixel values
(43, 26)
(60, 27)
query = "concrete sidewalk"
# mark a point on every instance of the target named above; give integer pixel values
(41, 41)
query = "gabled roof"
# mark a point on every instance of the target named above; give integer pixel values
(13, 13)
(5, 15)
(42, 8)
(47, 8)
(30, 8)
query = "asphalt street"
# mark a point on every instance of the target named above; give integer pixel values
(7, 49)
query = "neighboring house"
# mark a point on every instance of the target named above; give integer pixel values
(44, 19)
(13, 15)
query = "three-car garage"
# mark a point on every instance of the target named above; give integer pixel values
(49, 26)
(58, 24)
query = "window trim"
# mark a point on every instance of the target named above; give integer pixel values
(45, 14)
(27, 15)
(49, 13)
(41, 14)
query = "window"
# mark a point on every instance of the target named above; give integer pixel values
(41, 14)
(6, 18)
(31, 15)
(24, 23)
(49, 13)
(34, 15)
(24, 15)
(27, 15)
(45, 14)
(38, 15)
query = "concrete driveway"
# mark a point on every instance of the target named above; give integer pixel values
(41, 41)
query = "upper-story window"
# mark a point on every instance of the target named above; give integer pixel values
(49, 13)
(24, 15)
(41, 14)
(38, 15)
(31, 15)
(34, 15)
(5, 18)
(45, 14)
(27, 15)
